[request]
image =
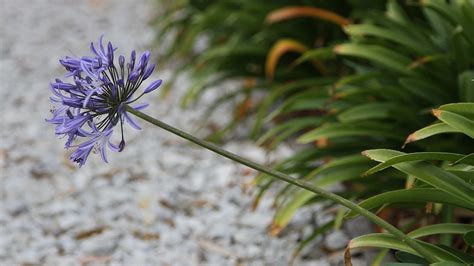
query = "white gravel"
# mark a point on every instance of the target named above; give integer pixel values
(160, 202)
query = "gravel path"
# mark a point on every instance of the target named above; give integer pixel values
(160, 202)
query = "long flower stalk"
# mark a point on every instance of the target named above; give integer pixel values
(297, 182)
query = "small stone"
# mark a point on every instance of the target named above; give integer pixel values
(40, 171)
(358, 226)
(17, 209)
(68, 221)
(336, 240)
(66, 244)
(100, 245)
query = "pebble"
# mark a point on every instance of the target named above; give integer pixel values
(336, 240)
(102, 245)
(358, 226)
(53, 213)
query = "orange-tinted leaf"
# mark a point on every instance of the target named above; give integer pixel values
(279, 49)
(243, 108)
(290, 12)
(435, 129)
(426, 59)
(250, 83)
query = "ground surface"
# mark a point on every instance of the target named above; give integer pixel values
(160, 202)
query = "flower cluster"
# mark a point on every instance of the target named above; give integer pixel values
(89, 108)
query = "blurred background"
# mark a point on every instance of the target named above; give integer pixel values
(161, 201)
(302, 86)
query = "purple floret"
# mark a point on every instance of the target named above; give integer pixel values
(87, 109)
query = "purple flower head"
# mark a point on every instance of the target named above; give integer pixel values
(87, 109)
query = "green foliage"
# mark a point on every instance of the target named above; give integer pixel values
(429, 190)
(394, 86)
(342, 88)
(240, 35)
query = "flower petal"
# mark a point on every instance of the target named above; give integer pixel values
(131, 121)
(140, 106)
(148, 71)
(153, 86)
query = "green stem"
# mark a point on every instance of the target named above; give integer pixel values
(297, 182)
(448, 214)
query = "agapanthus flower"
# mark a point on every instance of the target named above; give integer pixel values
(88, 108)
